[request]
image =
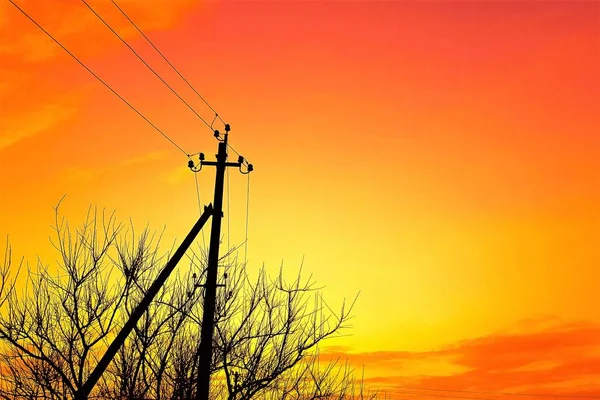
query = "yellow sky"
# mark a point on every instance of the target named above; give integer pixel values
(441, 158)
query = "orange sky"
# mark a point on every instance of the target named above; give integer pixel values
(440, 157)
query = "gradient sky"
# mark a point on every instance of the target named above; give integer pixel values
(440, 157)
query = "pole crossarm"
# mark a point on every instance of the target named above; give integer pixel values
(227, 164)
(85, 390)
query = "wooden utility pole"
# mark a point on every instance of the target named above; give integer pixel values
(210, 291)
(205, 352)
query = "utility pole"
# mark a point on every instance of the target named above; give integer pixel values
(210, 287)
(210, 292)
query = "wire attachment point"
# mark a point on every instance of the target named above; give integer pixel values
(196, 168)
(249, 168)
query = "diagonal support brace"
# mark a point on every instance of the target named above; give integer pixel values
(85, 390)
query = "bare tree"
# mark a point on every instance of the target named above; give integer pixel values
(55, 329)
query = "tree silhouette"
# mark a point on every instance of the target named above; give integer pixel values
(56, 326)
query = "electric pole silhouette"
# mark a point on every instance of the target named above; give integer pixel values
(210, 288)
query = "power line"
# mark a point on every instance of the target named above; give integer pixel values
(167, 61)
(98, 78)
(238, 154)
(146, 64)
(176, 71)
(564, 395)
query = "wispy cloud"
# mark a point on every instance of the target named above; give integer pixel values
(143, 158)
(546, 359)
(3, 14)
(83, 174)
(72, 21)
(10, 82)
(176, 176)
(13, 130)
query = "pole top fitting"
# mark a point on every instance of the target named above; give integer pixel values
(227, 128)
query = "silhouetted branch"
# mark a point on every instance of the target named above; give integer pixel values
(267, 329)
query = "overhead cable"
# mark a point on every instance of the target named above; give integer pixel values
(98, 78)
(147, 65)
(168, 62)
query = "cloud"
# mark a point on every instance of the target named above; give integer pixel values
(532, 357)
(144, 158)
(81, 174)
(3, 14)
(74, 25)
(31, 100)
(10, 81)
(13, 130)
(31, 47)
(176, 176)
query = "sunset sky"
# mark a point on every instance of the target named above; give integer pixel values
(440, 157)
